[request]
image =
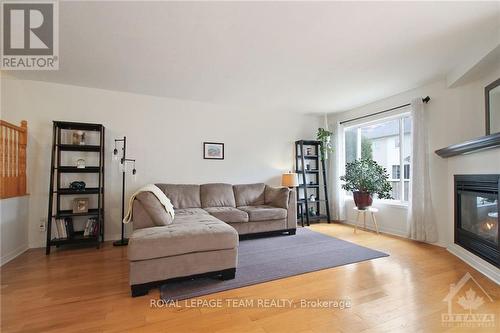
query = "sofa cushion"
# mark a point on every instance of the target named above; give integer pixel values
(193, 233)
(277, 196)
(217, 195)
(190, 211)
(182, 195)
(228, 214)
(264, 213)
(154, 208)
(249, 194)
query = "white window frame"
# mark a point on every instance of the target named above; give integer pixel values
(400, 116)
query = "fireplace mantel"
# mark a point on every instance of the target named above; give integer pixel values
(471, 146)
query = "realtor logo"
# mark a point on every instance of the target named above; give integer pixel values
(30, 33)
(465, 300)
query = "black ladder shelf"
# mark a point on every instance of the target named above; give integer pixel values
(308, 152)
(56, 192)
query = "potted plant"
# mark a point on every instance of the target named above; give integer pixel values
(324, 136)
(365, 177)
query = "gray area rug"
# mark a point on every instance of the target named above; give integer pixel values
(266, 259)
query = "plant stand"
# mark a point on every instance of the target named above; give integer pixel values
(369, 210)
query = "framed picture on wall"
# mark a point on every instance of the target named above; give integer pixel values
(213, 151)
(492, 107)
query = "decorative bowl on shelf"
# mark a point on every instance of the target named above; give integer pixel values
(77, 185)
(80, 163)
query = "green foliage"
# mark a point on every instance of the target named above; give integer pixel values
(366, 148)
(324, 136)
(366, 175)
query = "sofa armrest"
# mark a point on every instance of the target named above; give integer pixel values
(277, 196)
(291, 216)
(140, 217)
(151, 212)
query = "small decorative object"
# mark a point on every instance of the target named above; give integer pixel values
(308, 151)
(311, 182)
(365, 177)
(213, 151)
(78, 137)
(290, 179)
(77, 185)
(80, 205)
(312, 197)
(312, 211)
(326, 147)
(492, 107)
(80, 163)
(308, 166)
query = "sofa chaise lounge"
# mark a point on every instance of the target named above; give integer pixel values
(202, 239)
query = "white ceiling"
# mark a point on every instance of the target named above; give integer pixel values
(298, 56)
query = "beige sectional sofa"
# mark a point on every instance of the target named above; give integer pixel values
(203, 237)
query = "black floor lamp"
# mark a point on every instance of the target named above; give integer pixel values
(123, 160)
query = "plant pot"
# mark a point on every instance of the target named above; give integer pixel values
(362, 200)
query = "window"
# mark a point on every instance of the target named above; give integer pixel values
(407, 171)
(396, 171)
(388, 143)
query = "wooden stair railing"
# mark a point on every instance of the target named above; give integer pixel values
(13, 141)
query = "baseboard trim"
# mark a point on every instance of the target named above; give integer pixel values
(13, 254)
(390, 231)
(112, 237)
(107, 238)
(382, 229)
(475, 262)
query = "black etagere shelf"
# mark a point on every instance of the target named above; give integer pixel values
(312, 180)
(57, 192)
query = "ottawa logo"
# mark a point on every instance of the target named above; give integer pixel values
(465, 302)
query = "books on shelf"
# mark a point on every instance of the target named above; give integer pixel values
(69, 227)
(90, 227)
(62, 228)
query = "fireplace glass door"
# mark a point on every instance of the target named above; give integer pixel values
(479, 215)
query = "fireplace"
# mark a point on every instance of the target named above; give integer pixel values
(476, 215)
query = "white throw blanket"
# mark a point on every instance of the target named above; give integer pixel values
(169, 208)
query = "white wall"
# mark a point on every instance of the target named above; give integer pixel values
(164, 135)
(13, 227)
(455, 115)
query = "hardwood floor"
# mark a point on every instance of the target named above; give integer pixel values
(86, 290)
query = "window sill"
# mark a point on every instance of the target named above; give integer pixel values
(391, 203)
(396, 204)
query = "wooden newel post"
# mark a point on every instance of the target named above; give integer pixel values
(23, 140)
(3, 166)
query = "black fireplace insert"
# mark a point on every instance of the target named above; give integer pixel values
(476, 215)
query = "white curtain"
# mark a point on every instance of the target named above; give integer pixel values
(421, 223)
(339, 170)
